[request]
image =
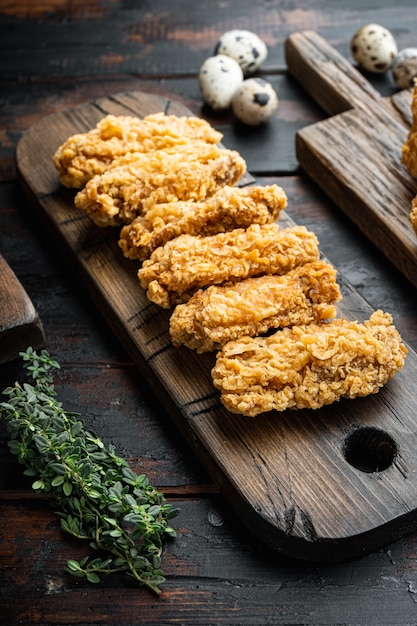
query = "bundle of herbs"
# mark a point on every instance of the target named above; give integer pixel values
(97, 496)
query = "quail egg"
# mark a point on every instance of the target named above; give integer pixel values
(219, 78)
(244, 47)
(374, 48)
(255, 101)
(404, 68)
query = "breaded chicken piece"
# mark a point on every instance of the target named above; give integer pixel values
(409, 149)
(85, 155)
(228, 208)
(306, 367)
(409, 154)
(413, 214)
(253, 306)
(135, 182)
(182, 266)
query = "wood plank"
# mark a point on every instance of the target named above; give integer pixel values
(164, 42)
(20, 325)
(215, 575)
(355, 156)
(285, 475)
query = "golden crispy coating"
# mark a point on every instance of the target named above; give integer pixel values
(85, 155)
(413, 214)
(253, 306)
(308, 366)
(409, 149)
(135, 182)
(228, 208)
(182, 266)
(409, 154)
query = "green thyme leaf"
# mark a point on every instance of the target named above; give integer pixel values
(98, 496)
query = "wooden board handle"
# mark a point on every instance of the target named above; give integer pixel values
(332, 81)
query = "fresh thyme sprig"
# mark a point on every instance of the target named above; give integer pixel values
(99, 498)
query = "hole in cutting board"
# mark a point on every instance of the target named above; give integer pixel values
(370, 450)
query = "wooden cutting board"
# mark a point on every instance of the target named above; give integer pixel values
(20, 325)
(321, 485)
(355, 155)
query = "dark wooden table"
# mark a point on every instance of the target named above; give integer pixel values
(58, 54)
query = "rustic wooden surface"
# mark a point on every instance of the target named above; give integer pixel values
(57, 54)
(336, 511)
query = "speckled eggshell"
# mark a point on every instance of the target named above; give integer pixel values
(374, 48)
(255, 102)
(244, 47)
(219, 78)
(404, 68)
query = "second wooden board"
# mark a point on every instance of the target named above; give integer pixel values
(20, 325)
(355, 155)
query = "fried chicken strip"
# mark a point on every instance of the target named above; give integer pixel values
(85, 155)
(409, 154)
(413, 214)
(227, 209)
(253, 306)
(187, 263)
(409, 149)
(135, 182)
(308, 366)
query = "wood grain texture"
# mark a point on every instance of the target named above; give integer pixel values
(355, 156)
(215, 575)
(211, 572)
(20, 325)
(142, 39)
(285, 475)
